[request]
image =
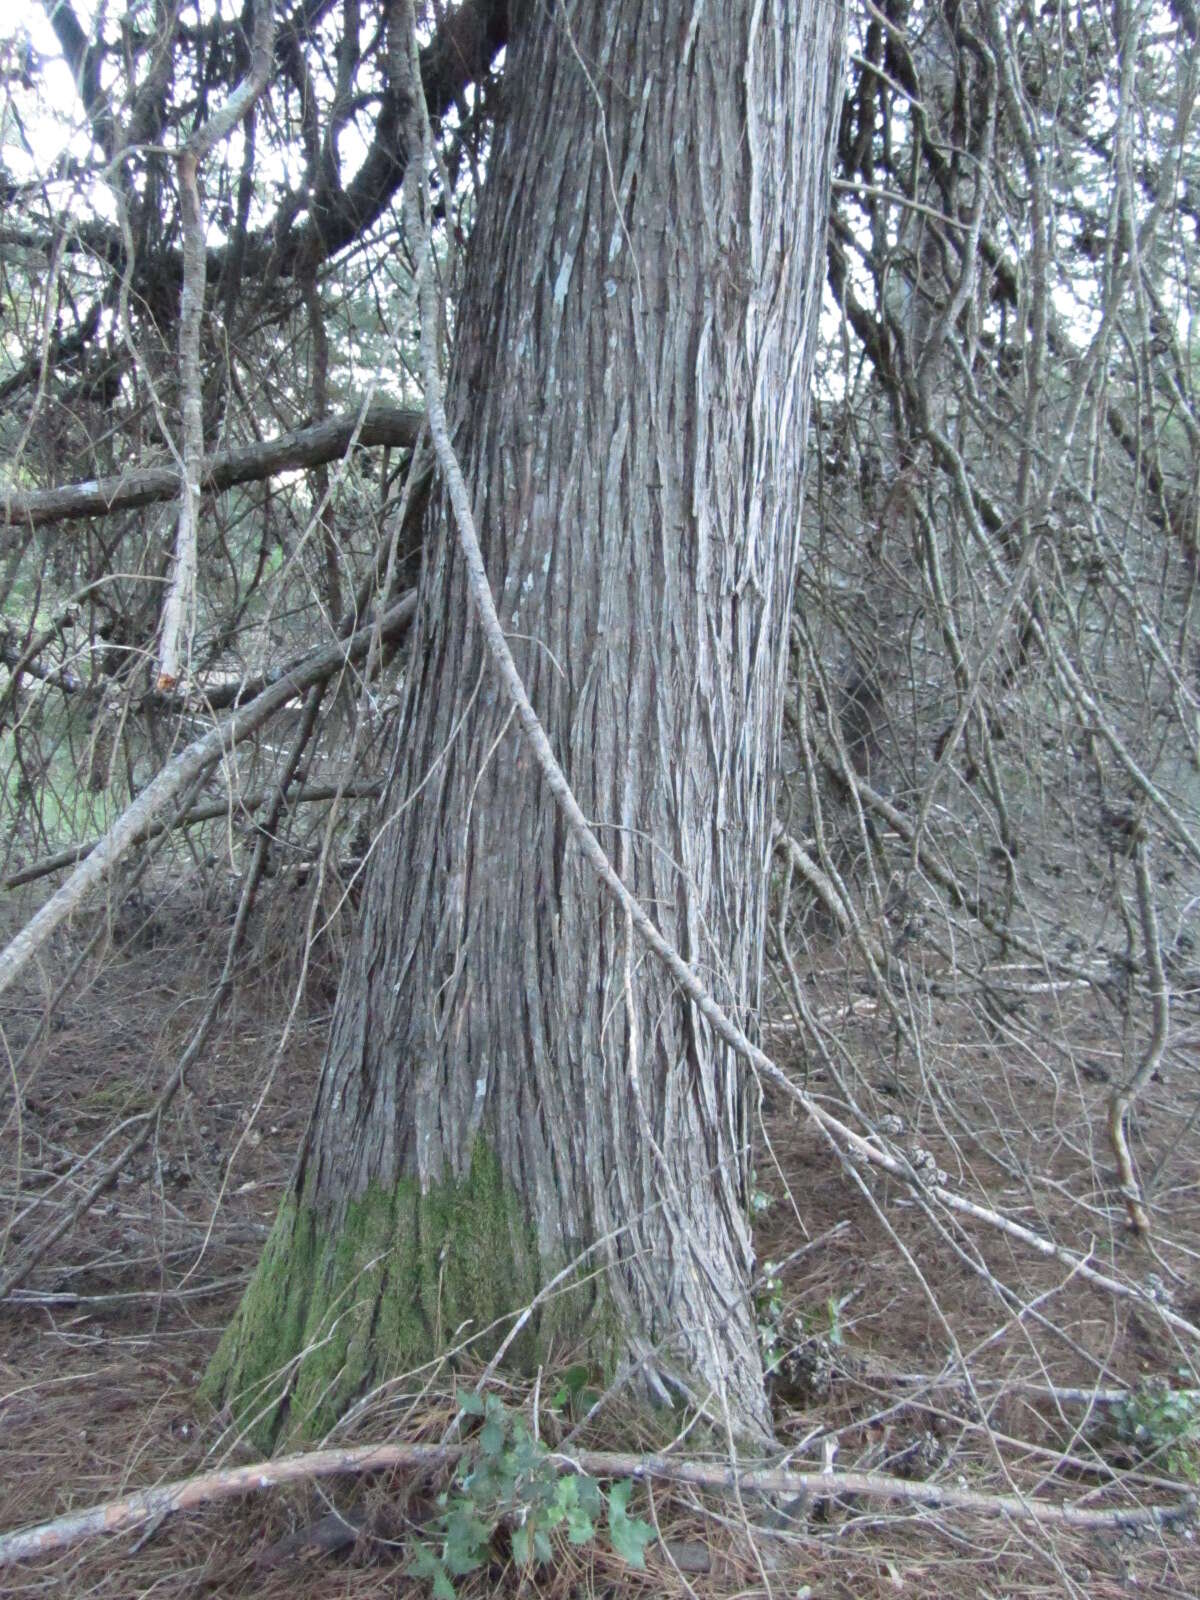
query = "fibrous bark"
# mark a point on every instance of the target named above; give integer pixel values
(509, 1083)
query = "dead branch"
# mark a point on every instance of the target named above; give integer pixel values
(234, 804)
(1122, 1101)
(132, 825)
(187, 1494)
(826, 891)
(179, 606)
(382, 424)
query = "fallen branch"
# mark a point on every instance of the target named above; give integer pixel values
(135, 823)
(384, 423)
(188, 1494)
(64, 1299)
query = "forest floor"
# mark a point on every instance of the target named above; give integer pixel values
(883, 1308)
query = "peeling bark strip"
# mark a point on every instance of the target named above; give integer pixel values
(507, 1075)
(382, 423)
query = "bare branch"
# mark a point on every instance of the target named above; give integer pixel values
(235, 804)
(178, 615)
(1122, 1102)
(383, 423)
(187, 1494)
(133, 825)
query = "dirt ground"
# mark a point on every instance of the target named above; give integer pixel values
(908, 1347)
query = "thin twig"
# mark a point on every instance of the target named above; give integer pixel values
(180, 603)
(1122, 1101)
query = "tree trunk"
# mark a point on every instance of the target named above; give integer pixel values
(510, 1082)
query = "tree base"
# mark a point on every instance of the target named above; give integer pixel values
(407, 1277)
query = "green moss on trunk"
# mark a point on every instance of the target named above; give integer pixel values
(328, 1316)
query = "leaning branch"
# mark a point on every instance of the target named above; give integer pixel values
(384, 423)
(134, 824)
(187, 1494)
(236, 805)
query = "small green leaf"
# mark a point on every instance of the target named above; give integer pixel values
(590, 1496)
(520, 1546)
(491, 1437)
(563, 1503)
(580, 1527)
(566, 1493)
(571, 1387)
(469, 1403)
(443, 1589)
(629, 1535)
(527, 1456)
(467, 1538)
(422, 1562)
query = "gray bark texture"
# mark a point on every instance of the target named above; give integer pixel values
(629, 401)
